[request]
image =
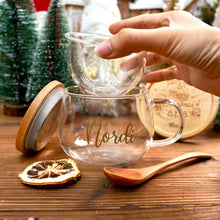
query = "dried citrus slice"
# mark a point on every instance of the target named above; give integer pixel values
(50, 172)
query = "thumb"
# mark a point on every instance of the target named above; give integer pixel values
(161, 41)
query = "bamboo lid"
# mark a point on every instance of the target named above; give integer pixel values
(199, 108)
(41, 119)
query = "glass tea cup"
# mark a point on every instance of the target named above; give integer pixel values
(110, 131)
(97, 76)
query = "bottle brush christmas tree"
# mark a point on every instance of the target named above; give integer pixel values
(50, 60)
(208, 11)
(18, 38)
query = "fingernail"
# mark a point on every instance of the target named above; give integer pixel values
(104, 49)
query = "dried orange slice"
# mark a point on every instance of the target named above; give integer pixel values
(50, 172)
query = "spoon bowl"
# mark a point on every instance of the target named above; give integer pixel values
(132, 177)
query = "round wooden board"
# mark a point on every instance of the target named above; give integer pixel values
(199, 108)
(27, 123)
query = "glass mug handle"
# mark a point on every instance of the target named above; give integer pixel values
(177, 135)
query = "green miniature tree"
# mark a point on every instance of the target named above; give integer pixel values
(50, 61)
(18, 38)
(208, 11)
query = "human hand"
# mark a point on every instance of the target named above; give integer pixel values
(174, 37)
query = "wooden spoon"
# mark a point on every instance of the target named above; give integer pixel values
(132, 177)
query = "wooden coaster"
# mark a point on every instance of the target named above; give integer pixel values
(199, 108)
(41, 118)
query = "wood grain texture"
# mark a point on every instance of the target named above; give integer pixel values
(187, 191)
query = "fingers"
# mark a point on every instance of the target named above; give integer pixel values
(157, 20)
(152, 58)
(133, 62)
(139, 60)
(162, 75)
(148, 21)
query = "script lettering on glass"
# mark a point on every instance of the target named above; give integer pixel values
(125, 137)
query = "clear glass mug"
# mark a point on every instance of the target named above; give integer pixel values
(110, 131)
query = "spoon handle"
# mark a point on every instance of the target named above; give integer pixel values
(187, 156)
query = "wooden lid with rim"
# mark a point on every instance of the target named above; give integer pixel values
(41, 119)
(199, 108)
